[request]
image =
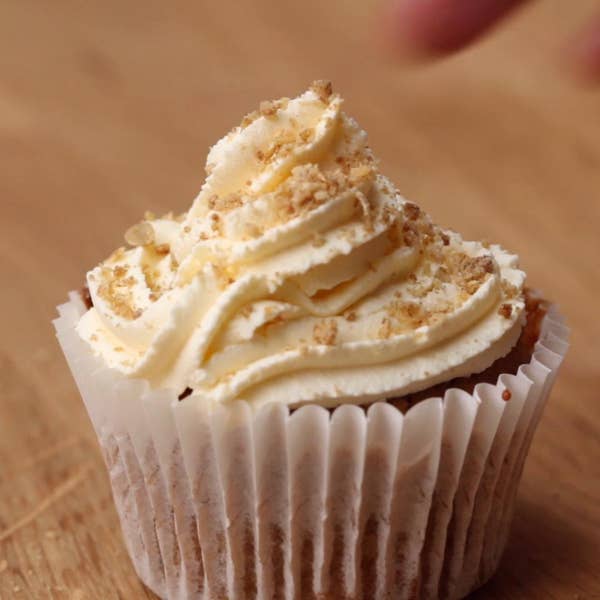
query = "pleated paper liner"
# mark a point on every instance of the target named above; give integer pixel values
(353, 504)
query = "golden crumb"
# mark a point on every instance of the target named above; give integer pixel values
(149, 216)
(350, 316)
(469, 272)
(116, 291)
(423, 289)
(385, 330)
(506, 395)
(283, 143)
(307, 188)
(306, 135)
(225, 203)
(152, 277)
(483, 265)
(323, 89)
(509, 290)
(141, 234)
(360, 174)
(505, 310)
(249, 119)
(477, 268)
(410, 235)
(405, 310)
(162, 248)
(325, 332)
(215, 222)
(471, 286)
(268, 108)
(411, 210)
(445, 238)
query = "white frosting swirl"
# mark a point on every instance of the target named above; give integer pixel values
(299, 274)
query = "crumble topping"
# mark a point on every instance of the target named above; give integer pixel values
(323, 89)
(505, 310)
(411, 210)
(423, 305)
(325, 332)
(269, 108)
(116, 290)
(225, 203)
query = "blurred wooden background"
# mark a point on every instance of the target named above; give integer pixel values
(108, 108)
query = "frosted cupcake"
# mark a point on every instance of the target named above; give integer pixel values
(303, 387)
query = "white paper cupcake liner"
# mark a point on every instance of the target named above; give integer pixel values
(348, 504)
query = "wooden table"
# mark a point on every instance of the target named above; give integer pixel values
(107, 109)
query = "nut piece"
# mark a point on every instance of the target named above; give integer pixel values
(323, 89)
(505, 310)
(268, 108)
(141, 234)
(412, 211)
(325, 332)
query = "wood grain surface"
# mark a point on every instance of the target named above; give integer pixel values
(108, 108)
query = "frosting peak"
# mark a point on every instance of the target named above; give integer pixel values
(300, 274)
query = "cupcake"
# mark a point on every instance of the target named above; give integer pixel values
(303, 387)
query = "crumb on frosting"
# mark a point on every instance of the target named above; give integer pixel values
(505, 310)
(411, 210)
(325, 332)
(116, 290)
(225, 203)
(323, 89)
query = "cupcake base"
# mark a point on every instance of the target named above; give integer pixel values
(311, 504)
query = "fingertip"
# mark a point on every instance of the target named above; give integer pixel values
(422, 29)
(582, 57)
(401, 35)
(416, 30)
